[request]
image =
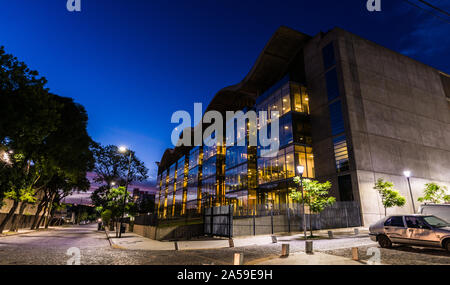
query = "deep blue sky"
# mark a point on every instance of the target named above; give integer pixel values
(132, 63)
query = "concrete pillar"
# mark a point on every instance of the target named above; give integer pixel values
(285, 250)
(355, 253)
(238, 259)
(309, 247)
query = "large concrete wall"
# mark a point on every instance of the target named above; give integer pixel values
(399, 119)
(29, 210)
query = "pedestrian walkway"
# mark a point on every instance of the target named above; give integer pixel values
(136, 242)
(23, 231)
(301, 258)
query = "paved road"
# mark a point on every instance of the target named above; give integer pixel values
(400, 255)
(50, 247)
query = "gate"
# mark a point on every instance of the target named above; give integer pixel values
(218, 221)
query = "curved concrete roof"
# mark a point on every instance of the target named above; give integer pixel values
(271, 66)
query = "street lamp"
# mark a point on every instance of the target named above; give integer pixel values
(123, 149)
(300, 170)
(407, 174)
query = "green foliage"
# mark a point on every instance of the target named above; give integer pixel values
(315, 194)
(84, 216)
(44, 136)
(434, 193)
(389, 196)
(106, 216)
(115, 201)
(26, 195)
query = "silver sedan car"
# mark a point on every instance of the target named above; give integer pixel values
(421, 230)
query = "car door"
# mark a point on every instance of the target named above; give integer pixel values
(395, 229)
(419, 232)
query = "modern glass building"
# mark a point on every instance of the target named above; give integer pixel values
(350, 111)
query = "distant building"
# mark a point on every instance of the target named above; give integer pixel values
(84, 198)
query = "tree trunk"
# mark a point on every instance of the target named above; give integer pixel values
(42, 217)
(52, 214)
(50, 210)
(36, 216)
(117, 229)
(385, 212)
(9, 215)
(310, 224)
(15, 224)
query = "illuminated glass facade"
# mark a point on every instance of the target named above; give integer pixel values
(215, 175)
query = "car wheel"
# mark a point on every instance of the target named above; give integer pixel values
(384, 241)
(447, 245)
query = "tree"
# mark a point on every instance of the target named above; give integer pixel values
(389, 197)
(115, 203)
(315, 196)
(44, 137)
(28, 115)
(106, 216)
(112, 166)
(434, 193)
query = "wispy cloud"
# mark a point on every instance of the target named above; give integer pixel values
(429, 36)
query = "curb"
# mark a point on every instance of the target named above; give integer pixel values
(111, 243)
(108, 238)
(24, 233)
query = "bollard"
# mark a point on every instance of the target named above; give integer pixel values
(238, 259)
(176, 245)
(274, 239)
(356, 231)
(355, 253)
(330, 234)
(309, 247)
(284, 250)
(231, 242)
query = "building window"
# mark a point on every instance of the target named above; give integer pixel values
(209, 168)
(301, 99)
(328, 56)
(332, 84)
(345, 188)
(194, 157)
(236, 178)
(235, 155)
(276, 168)
(336, 118)
(341, 153)
(192, 186)
(305, 157)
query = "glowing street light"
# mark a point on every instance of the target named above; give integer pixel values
(407, 174)
(124, 149)
(300, 170)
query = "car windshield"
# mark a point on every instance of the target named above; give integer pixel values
(436, 222)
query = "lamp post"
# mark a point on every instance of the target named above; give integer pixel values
(300, 170)
(123, 150)
(407, 174)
